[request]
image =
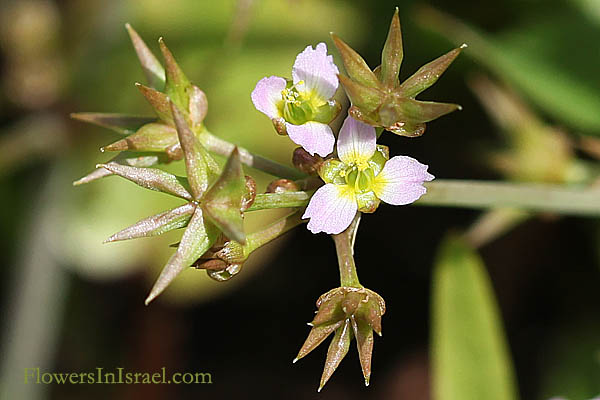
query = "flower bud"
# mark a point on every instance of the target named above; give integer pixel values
(305, 162)
(339, 310)
(250, 194)
(282, 185)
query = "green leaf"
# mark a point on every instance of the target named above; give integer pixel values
(155, 73)
(178, 88)
(470, 355)
(539, 59)
(120, 123)
(197, 239)
(222, 203)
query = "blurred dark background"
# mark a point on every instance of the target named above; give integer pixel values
(70, 303)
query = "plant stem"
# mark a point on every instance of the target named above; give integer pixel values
(264, 201)
(523, 196)
(224, 148)
(344, 246)
(273, 231)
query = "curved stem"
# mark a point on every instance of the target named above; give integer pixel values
(224, 148)
(344, 246)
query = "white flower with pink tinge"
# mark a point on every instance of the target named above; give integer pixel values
(361, 178)
(303, 107)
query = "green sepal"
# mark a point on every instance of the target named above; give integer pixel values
(150, 137)
(154, 71)
(330, 171)
(223, 201)
(379, 158)
(327, 112)
(392, 54)
(120, 123)
(367, 202)
(177, 87)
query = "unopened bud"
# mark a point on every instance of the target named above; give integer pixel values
(279, 124)
(282, 185)
(250, 194)
(305, 162)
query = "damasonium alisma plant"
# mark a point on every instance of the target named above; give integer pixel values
(332, 184)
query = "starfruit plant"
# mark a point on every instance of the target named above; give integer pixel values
(332, 183)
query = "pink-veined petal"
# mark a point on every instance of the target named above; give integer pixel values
(317, 70)
(331, 209)
(267, 94)
(314, 137)
(401, 181)
(357, 141)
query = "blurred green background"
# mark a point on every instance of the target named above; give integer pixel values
(530, 92)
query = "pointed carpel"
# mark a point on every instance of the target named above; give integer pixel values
(355, 65)
(392, 54)
(197, 239)
(223, 201)
(159, 102)
(154, 71)
(195, 163)
(428, 74)
(177, 87)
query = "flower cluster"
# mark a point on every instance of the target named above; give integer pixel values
(331, 185)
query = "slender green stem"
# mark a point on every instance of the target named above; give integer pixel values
(524, 196)
(273, 231)
(224, 148)
(344, 246)
(266, 201)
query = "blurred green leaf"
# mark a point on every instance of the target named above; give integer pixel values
(470, 355)
(539, 58)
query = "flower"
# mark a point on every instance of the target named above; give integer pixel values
(361, 178)
(303, 108)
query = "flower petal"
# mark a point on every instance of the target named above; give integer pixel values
(357, 141)
(401, 181)
(317, 70)
(331, 209)
(315, 137)
(267, 94)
